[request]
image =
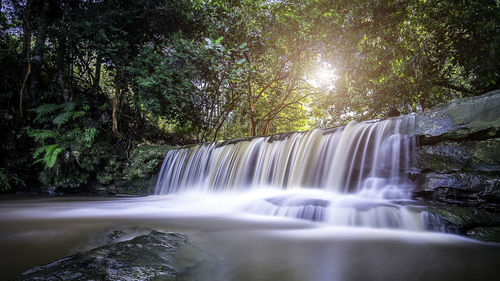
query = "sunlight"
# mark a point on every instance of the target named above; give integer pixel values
(324, 76)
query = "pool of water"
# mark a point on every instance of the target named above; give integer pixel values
(242, 244)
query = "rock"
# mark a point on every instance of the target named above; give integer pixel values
(393, 112)
(146, 257)
(457, 160)
(487, 234)
(460, 220)
(475, 117)
(445, 157)
(460, 187)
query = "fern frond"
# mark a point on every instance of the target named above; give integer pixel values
(45, 178)
(77, 114)
(89, 135)
(62, 118)
(53, 157)
(41, 135)
(51, 152)
(69, 106)
(38, 151)
(45, 109)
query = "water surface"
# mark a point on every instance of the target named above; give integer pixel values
(242, 244)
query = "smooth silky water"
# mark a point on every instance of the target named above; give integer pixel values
(321, 205)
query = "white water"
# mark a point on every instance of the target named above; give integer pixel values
(350, 176)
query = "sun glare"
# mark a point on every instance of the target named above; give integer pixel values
(324, 76)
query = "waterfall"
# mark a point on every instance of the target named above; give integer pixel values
(369, 158)
(345, 176)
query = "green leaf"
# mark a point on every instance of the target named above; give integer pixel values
(38, 151)
(219, 40)
(77, 114)
(53, 158)
(243, 45)
(46, 109)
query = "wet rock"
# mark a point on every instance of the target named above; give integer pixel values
(475, 118)
(461, 187)
(146, 257)
(469, 221)
(481, 156)
(115, 235)
(458, 155)
(487, 234)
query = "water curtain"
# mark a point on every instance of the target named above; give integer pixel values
(368, 158)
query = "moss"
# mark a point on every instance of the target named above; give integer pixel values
(135, 175)
(487, 234)
(476, 223)
(145, 161)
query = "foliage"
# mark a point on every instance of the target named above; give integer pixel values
(66, 149)
(82, 82)
(144, 161)
(9, 180)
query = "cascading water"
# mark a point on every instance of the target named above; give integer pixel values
(345, 176)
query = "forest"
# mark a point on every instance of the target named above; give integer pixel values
(84, 81)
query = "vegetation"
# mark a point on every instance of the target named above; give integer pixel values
(83, 82)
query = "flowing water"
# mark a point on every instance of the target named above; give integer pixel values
(321, 205)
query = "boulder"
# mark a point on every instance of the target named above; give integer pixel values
(146, 257)
(469, 118)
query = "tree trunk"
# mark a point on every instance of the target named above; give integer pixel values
(38, 51)
(97, 77)
(26, 53)
(116, 133)
(266, 127)
(253, 127)
(116, 98)
(61, 54)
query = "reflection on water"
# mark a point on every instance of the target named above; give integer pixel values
(245, 238)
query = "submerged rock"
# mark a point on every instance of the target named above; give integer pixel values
(146, 257)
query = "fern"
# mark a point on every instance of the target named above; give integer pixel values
(62, 118)
(45, 178)
(53, 157)
(46, 109)
(77, 114)
(40, 135)
(50, 157)
(69, 106)
(89, 136)
(38, 151)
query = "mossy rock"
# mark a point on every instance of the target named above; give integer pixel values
(135, 176)
(480, 156)
(487, 234)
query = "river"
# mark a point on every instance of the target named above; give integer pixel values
(245, 244)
